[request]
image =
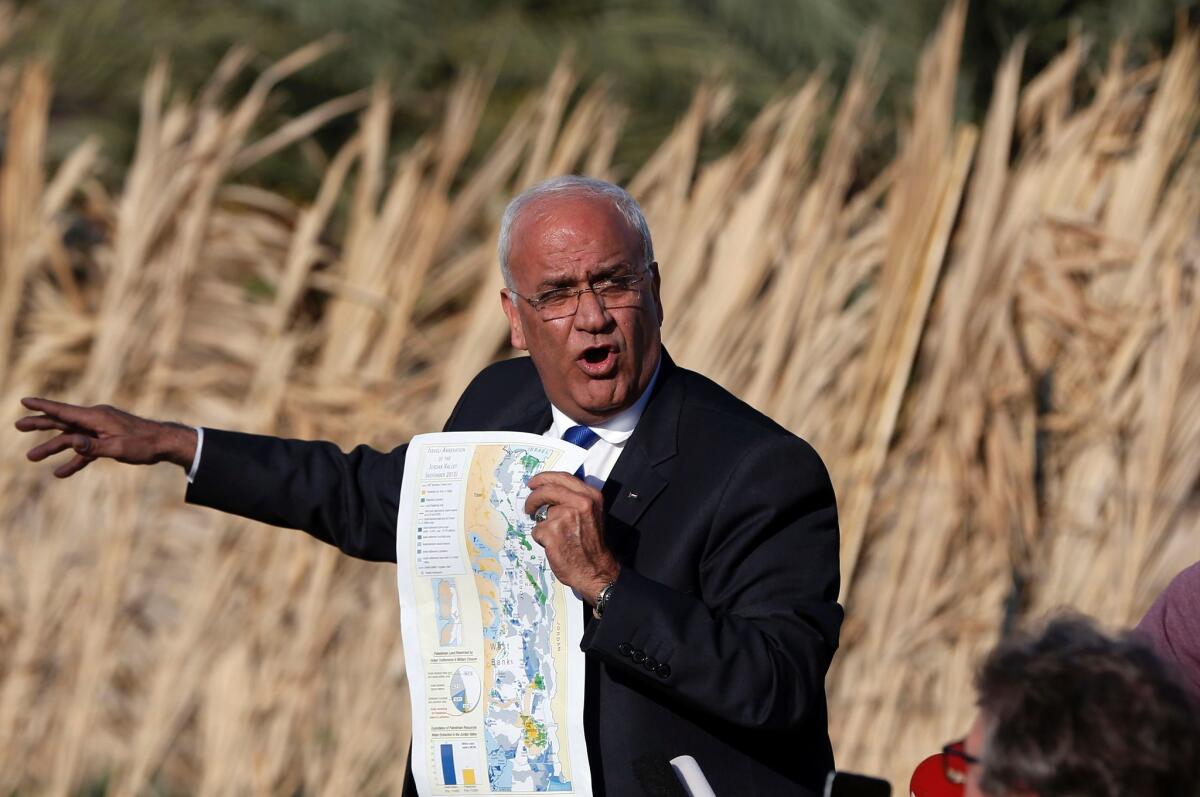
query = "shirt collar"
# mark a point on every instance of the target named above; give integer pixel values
(618, 428)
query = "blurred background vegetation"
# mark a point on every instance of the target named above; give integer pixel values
(996, 347)
(651, 53)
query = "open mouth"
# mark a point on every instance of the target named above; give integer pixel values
(598, 361)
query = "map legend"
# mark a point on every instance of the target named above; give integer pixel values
(438, 541)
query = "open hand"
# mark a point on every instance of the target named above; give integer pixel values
(573, 532)
(104, 431)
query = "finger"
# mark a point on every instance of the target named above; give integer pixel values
(81, 443)
(567, 480)
(78, 463)
(555, 495)
(544, 533)
(40, 423)
(57, 409)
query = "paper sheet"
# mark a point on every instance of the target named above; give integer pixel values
(491, 638)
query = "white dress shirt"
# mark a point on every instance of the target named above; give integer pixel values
(613, 433)
(196, 456)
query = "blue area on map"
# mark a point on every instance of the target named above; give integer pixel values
(486, 552)
(532, 667)
(511, 725)
(492, 632)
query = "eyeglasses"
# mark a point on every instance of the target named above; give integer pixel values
(622, 290)
(956, 761)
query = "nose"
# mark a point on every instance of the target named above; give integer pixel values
(591, 316)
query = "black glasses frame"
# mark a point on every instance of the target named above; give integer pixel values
(956, 751)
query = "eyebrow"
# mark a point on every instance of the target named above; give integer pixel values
(621, 267)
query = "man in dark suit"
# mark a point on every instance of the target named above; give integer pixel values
(703, 535)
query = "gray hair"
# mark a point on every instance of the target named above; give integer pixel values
(625, 204)
(1072, 710)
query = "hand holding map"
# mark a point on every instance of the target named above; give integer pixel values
(573, 532)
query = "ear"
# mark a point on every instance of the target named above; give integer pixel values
(654, 288)
(516, 327)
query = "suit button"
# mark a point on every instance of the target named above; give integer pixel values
(638, 656)
(650, 664)
(624, 649)
(663, 670)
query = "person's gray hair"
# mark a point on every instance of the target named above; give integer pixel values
(625, 204)
(1072, 710)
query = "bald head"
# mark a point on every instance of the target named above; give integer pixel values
(537, 198)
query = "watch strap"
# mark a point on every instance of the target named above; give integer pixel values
(602, 600)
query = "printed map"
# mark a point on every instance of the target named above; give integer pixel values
(491, 638)
(522, 636)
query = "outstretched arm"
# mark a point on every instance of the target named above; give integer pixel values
(345, 499)
(105, 432)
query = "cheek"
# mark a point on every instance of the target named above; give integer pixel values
(640, 335)
(548, 344)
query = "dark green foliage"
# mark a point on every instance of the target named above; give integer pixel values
(653, 52)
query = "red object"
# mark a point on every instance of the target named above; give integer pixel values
(929, 780)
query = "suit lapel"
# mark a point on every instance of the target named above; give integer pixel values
(536, 421)
(638, 477)
(631, 487)
(531, 409)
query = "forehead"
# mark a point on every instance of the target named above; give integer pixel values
(568, 235)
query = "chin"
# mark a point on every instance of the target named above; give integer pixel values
(599, 406)
(605, 394)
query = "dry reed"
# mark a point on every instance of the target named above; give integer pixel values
(994, 346)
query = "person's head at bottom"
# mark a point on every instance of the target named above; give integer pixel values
(1073, 711)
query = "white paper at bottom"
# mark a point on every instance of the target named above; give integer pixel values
(491, 638)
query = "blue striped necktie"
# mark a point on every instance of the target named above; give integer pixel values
(583, 437)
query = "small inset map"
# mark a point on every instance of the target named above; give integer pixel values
(464, 689)
(449, 614)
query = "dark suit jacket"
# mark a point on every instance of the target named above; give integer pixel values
(725, 617)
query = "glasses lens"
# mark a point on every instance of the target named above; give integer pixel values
(619, 292)
(614, 293)
(557, 305)
(953, 775)
(954, 762)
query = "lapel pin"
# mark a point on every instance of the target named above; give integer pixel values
(633, 495)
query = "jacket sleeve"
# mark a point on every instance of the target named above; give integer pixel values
(348, 500)
(753, 646)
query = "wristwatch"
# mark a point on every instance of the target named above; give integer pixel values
(602, 600)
